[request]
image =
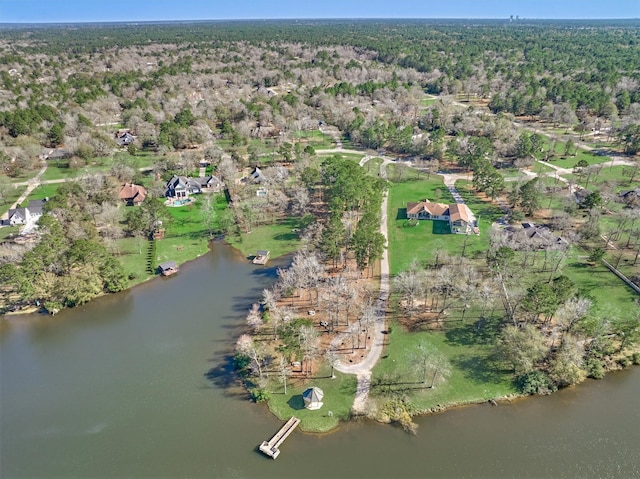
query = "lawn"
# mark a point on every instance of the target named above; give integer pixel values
(473, 377)
(278, 238)
(315, 138)
(338, 398)
(7, 231)
(11, 198)
(186, 238)
(600, 284)
(41, 192)
(372, 167)
(606, 174)
(60, 170)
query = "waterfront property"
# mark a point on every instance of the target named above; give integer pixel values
(460, 218)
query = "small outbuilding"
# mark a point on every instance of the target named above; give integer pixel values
(168, 268)
(313, 398)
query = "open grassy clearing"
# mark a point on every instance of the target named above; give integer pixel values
(25, 175)
(600, 284)
(344, 156)
(42, 191)
(57, 170)
(473, 378)
(338, 398)
(617, 174)
(372, 167)
(315, 138)
(279, 238)
(12, 196)
(7, 231)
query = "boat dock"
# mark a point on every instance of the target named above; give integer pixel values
(270, 448)
(261, 257)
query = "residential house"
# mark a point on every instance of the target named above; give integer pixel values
(460, 218)
(529, 235)
(631, 197)
(124, 137)
(132, 194)
(182, 187)
(58, 154)
(30, 213)
(209, 183)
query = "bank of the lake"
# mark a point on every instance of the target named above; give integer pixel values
(138, 384)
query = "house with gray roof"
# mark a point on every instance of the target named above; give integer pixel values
(21, 216)
(181, 187)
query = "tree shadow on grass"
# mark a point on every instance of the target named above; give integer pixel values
(286, 236)
(440, 228)
(483, 331)
(296, 402)
(479, 369)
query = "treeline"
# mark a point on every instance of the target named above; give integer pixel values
(353, 223)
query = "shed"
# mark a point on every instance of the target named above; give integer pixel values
(313, 398)
(168, 268)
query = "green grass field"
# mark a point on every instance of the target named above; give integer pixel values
(41, 192)
(278, 238)
(372, 167)
(12, 196)
(600, 284)
(473, 377)
(61, 170)
(7, 231)
(338, 398)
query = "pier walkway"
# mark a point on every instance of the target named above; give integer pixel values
(270, 448)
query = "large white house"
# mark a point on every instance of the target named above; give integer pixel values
(22, 216)
(460, 218)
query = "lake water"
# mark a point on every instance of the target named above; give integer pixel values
(135, 385)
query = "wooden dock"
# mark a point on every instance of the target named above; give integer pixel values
(261, 257)
(270, 448)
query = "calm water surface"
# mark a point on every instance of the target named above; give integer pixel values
(134, 385)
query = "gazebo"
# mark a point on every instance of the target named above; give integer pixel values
(313, 398)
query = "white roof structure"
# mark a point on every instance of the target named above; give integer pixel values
(313, 398)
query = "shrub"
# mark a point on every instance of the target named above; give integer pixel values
(595, 368)
(535, 382)
(635, 357)
(625, 361)
(259, 395)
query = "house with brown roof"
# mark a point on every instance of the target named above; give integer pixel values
(460, 218)
(132, 194)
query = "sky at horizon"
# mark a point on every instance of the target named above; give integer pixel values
(67, 11)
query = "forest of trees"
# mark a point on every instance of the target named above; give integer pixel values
(240, 94)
